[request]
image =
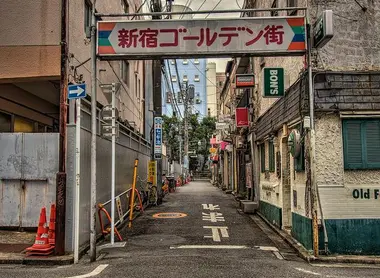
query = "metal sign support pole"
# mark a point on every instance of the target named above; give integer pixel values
(77, 180)
(93, 139)
(314, 188)
(113, 164)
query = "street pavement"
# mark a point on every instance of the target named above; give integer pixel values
(211, 238)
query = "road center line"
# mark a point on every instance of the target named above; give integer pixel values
(95, 272)
(210, 247)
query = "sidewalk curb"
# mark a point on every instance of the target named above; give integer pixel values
(20, 259)
(304, 254)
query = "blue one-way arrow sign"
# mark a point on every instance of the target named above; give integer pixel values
(77, 91)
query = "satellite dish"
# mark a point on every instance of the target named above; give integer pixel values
(294, 143)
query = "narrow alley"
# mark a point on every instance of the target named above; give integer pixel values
(242, 246)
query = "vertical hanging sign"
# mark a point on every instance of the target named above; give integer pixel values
(241, 115)
(157, 138)
(273, 82)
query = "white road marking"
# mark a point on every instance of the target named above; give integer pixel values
(210, 206)
(215, 232)
(278, 255)
(346, 265)
(210, 247)
(308, 271)
(267, 248)
(95, 272)
(213, 217)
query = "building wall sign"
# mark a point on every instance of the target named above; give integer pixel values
(241, 117)
(323, 29)
(245, 80)
(273, 82)
(212, 37)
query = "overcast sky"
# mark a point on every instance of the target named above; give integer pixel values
(210, 5)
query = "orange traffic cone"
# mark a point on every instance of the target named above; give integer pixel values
(52, 225)
(41, 245)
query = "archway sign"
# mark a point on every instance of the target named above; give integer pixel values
(223, 37)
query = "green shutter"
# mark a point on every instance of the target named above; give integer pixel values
(372, 144)
(271, 157)
(352, 144)
(262, 153)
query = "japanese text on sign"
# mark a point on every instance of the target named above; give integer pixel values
(277, 35)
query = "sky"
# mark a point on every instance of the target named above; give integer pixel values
(210, 5)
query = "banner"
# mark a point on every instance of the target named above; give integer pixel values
(241, 115)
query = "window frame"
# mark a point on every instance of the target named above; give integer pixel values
(87, 17)
(125, 72)
(196, 78)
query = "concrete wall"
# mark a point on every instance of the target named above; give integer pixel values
(30, 39)
(28, 167)
(127, 150)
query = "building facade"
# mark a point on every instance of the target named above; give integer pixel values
(177, 75)
(347, 131)
(211, 87)
(31, 83)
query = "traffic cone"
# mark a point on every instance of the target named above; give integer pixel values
(41, 245)
(52, 225)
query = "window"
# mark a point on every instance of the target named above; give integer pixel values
(290, 4)
(262, 157)
(5, 122)
(209, 112)
(196, 78)
(185, 77)
(174, 78)
(125, 5)
(274, 6)
(361, 144)
(271, 157)
(168, 97)
(87, 18)
(185, 61)
(196, 61)
(172, 62)
(179, 97)
(220, 83)
(125, 71)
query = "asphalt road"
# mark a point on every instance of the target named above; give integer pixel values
(213, 240)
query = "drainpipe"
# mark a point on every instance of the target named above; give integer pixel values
(61, 175)
(326, 239)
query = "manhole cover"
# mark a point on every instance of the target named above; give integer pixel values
(169, 215)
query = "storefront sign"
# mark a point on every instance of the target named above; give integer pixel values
(167, 38)
(152, 172)
(366, 193)
(245, 80)
(323, 29)
(273, 82)
(248, 174)
(241, 115)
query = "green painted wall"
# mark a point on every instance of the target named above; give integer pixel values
(353, 236)
(346, 236)
(271, 212)
(302, 230)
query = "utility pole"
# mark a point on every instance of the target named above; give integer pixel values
(93, 138)
(186, 128)
(157, 99)
(61, 175)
